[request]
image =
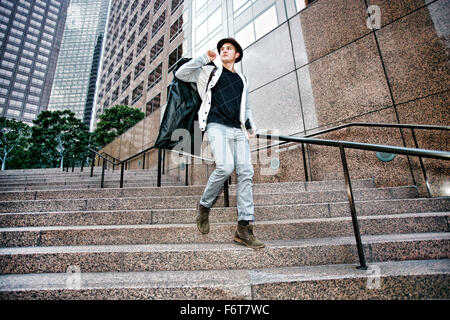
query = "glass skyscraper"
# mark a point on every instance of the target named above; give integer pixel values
(30, 37)
(79, 58)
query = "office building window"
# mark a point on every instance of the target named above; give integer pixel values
(108, 86)
(126, 82)
(261, 25)
(4, 82)
(128, 61)
(175, 5)
(176, 28)
(124, 102)
(208, 28)
(124, 21)
(157, 49)
(144, 22)
(153, 104)
(154, 77)
(131, 40)
(144, 5)
(117, 74)
(133, 22)
(159, 23)
(175, 56)
(115, 95)
(158, 4)
(139, 68)
(122, 37)
(141, 45)
(134, 5)
(119, 56)
(137, 92)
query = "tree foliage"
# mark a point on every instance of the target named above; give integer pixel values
(14, 142)
(113, 122)
(58, 138)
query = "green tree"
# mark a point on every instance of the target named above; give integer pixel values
(113, 122)
(14, 142)
(58, 138)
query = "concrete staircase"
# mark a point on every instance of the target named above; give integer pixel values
(62, 237)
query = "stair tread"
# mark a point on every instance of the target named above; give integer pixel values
(220, 278)
(255, 193)
(256, 223)
(224, 246)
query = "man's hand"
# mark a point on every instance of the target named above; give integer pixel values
(211, 54)
(252, 135)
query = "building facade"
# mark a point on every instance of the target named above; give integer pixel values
(145, 39)
(141, 38)
(326, 64)
(30, 34)
(79, 58)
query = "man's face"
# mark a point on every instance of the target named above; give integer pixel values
(228, 53)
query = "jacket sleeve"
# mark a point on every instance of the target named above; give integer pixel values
(249, 123)
(190, 71)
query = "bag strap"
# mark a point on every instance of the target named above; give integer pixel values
(210, 77)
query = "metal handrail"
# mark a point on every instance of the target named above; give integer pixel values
(366, 124)
(434, 154)
(121, 163)
(354, 124)
(376, 125)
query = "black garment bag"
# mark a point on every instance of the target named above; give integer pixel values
(183, 103)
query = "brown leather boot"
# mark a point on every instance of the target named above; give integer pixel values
(203, 219)
(244, 235)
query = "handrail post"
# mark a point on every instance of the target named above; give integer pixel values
(158, 183)
(427, 183)
(304, 162)
(103, 173)
(92, 164)
(143, 162)
(163, 161)
(226, 194)
(122, 169)
(186, 171)
(362, 259)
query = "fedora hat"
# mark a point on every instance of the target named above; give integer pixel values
(234, 43)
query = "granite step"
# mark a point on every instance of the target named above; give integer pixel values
(93, 185)
(113, 202)
(86, 174)
(294, 186)
(220, 232)
(413, 279)
(180, 190)
(59, 172)
(197, 191)
(222, 256)
(221, 214)
(383, 280)
(77, 181)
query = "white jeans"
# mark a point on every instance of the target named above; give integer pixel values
(231, 151)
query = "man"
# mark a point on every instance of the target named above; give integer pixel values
(226, 116)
